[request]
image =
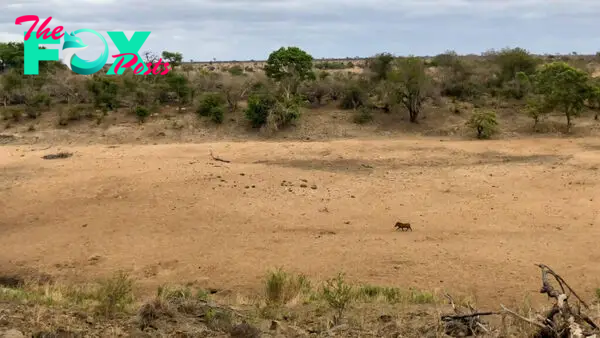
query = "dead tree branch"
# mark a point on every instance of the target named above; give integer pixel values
(218, 158)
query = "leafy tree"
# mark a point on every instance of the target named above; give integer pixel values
(173, 58)
(537, 108)
(594, 98)
(290, 62)
(513, 61)
(563, 88)
(12, 56)
(380, 65)
(179, 85)
(456, 77)
(411, 84)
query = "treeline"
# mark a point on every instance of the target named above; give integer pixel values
(291, 80)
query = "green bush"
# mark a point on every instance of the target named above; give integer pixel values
(259, 106)
(104, 90)
(212, 105)
(236, 70)
(353, 97)
(363, 115)
(36, 103)
(485, 123)
(142, 113)
(282, 114)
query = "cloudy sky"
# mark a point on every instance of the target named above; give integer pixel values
(251, 29)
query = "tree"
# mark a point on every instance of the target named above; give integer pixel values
(290, 62)
(174, 59)
(380, 65)
(513, 61)
(411, 84)
(12, 56)
(563, 88)
(456, 78)
(178, 84)
(594, 98)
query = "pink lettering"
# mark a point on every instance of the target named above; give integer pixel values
(149, 65)
(167, 69)
(25, 18)
(57, 30)
(132, 62)
(138, 69)
(43, 29)
(156, 69)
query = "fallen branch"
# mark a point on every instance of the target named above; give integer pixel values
(547, 288)
(217, 158)
(476, 314)
(518, 316)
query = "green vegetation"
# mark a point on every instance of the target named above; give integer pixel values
(507, 81)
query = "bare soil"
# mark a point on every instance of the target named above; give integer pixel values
(482, 212)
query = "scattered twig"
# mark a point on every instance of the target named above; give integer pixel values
(217, 158)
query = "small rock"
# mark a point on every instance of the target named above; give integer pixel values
(12, 333)
(313, 187)
(245, 330)
(303, 185)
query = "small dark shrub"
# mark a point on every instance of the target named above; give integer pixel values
(212, 105)
(259, 106)
(142, 113)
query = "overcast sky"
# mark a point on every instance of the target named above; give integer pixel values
(251, 29)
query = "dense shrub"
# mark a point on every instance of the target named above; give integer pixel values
(484, 123)
(142, 113)
(212, 105)
(353, 97)
(104, 90)
(259, 106)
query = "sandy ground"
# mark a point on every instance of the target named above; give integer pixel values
(483, 212)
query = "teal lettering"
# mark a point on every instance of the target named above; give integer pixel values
(33, 54)
(126, 46)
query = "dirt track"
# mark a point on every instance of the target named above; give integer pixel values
(483, 212)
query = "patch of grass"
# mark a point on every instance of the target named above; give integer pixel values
(114, 295)
(393, 295)
(281, 287)
(49, 294)
(184, 299)
(598, 293)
